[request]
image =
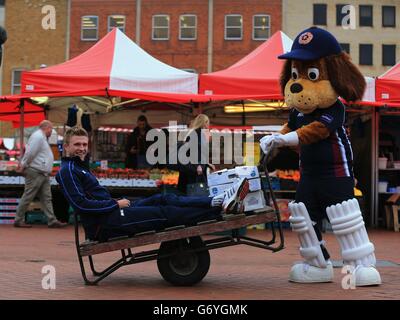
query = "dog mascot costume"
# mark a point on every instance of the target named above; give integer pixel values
(315, 74)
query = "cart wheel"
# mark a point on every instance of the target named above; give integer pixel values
(183, 268)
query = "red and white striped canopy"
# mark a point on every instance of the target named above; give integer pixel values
(114, 63)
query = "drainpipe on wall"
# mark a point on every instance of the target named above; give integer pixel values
(284, 22)
(210, 35)
(138, 15)
(67, 36)
(2, 12)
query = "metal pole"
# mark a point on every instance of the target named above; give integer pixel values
(210, 35)
(374, 167)
(21, 127)
(138, 18)
(243, 114)
(68, 32)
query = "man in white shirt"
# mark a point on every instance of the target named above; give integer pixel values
(37, 164)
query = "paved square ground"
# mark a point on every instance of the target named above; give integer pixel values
(239, 272)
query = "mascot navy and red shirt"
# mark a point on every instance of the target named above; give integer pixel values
(330, 157)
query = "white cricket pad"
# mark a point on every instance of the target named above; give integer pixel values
(348, 226)
(310, 248)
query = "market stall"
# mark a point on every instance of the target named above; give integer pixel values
(386, 142)
(115, 81)
(114, 75)
(256, 75)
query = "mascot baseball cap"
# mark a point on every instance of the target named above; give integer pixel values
(312, 44)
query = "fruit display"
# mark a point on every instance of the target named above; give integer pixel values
(8, 165)
(163, 176)
(120, 173)
(169, 177)
(115, 175)
(288, 175)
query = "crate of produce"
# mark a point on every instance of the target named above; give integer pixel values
(288, 184)
(35, 217)
(275, 183)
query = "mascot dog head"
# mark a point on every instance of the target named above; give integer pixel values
(317, 71)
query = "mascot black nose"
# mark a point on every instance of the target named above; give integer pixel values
(296, 88)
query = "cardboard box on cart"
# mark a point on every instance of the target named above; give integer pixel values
(221, 180)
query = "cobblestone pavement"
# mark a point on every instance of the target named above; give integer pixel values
(239, 272)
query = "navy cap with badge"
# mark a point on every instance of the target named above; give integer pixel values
(312, 44)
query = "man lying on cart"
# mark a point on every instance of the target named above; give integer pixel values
(104, 217)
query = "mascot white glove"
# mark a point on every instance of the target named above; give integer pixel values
(276, 140)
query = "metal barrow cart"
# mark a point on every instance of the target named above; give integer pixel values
(183, 257)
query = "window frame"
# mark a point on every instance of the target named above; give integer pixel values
(13, 85)
(195, 27)
(116, 15)
(325, 6)
(383, 22)
(162, 27)
(372, 54)
(226, 27)
(97, 28)
(383, 56)
(254, 27)
(372, 15)
(345, 44)
(341, 5)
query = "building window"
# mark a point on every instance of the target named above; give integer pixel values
(340, 16)
(233, 27)
(261, 26)
(160, 27)
(116, 21)
(366, 54)
(345, 47)
(188, 27)
(389, 16)
(16, 81)
(89, 28)
(366, 16)
(319, 14)
(388, 54)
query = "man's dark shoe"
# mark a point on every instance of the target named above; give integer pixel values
(22, 225)
(57, 224)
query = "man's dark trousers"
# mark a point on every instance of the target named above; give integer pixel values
(159, 212)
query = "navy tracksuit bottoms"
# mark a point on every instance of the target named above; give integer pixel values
(156, 213)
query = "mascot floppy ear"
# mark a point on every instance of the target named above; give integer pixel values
(286, 74)
(345, 77)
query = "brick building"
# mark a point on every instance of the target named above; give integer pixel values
(204, 36)
(92, 19)
(201, 36)
(29, 44)
(189, 34)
